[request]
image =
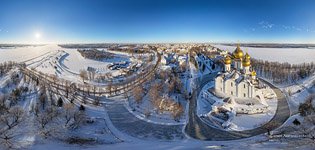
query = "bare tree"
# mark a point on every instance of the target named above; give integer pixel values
(96, 101)
(83, 75)
(79, 119)
(12, 118)
(178, 111)
(9, 123)
(138, 93)
(68, 113)
(47, 121)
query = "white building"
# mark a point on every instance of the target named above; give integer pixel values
(238, 80)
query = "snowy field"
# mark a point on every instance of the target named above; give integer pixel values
(76, 62)
(20, 54)
(290, 55)
(69, 62)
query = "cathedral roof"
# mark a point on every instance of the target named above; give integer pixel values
(238, 53)
(227, 60)
(246, 60)
(254, 73)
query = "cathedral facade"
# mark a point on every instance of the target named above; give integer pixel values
(238, 79)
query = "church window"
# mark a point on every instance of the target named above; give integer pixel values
(231, 84)
(244, 86)
(231, 92)
(244, 95)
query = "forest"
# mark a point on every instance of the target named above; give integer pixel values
(282, 73)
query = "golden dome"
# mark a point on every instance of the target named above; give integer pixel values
(246, 62)
(247, 56)
(253, 73)
(227, 60)
(238, 53)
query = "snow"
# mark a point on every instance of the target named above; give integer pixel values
(246, 122)
(69, 62)
(257, 143)
(290, 55)
(238, 122)
(164, 118)
(68, 67)
(20, 54)
(74, 57)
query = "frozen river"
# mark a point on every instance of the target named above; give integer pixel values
(290, 55)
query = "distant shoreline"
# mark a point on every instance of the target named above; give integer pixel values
(309, 46)
(12, 46)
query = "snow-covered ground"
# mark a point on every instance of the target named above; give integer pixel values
(255, 143)
(146, 106)
(76, 62)
(39, 58)
(20, 54)
(290, 55)
(69, 61)
(246, 122)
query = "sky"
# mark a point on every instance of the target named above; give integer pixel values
(149, 21)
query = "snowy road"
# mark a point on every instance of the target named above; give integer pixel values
(126, 122)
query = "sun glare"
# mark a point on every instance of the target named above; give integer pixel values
(37, 35)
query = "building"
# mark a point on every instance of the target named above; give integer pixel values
(238, 79)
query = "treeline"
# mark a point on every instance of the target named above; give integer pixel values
(131, 50)
(104, 45)
(283, 72)
(95, 54)
(6, 66)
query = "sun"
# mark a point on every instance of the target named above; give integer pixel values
(37, 35)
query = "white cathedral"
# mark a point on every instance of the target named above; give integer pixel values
(238, 79)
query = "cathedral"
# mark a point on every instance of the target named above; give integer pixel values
(238, 79)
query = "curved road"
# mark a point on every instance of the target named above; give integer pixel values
(126, 122)
(196, 128)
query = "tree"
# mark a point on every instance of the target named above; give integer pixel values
(60, 102)
(47, 122)
(15, 95)
(9, 123)
(109, 88)
(42, 98)
(177, 112)
(82, 108)
(296, 122)
(153, 92)
(137, 93)
(83, 75)
(12, 118)
(79, 118)
(96, 101)
(68, 113)
(306, 108)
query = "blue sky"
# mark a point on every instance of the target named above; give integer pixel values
(90, 21)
